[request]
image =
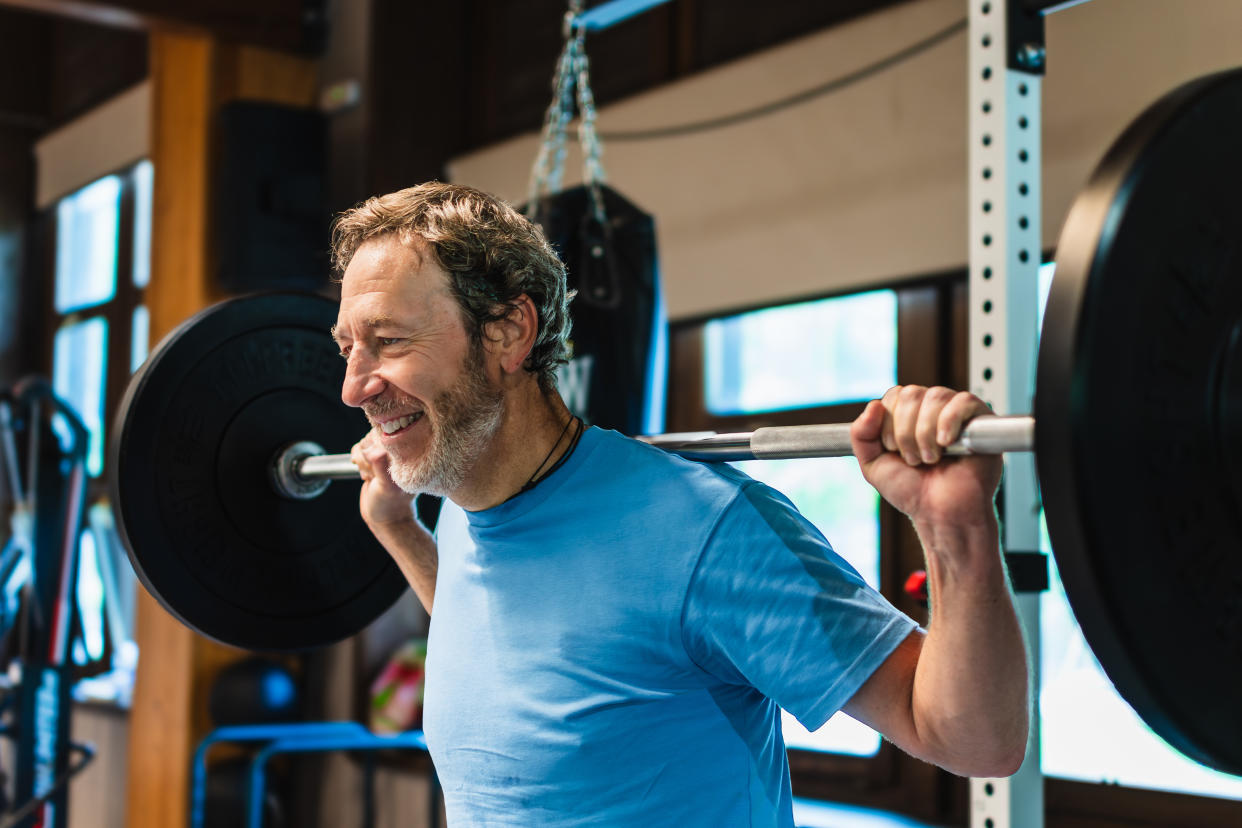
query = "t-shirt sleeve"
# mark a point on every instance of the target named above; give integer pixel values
(770, 605)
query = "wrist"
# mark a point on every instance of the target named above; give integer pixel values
(958, 519)
(394, 526)
(970, 544)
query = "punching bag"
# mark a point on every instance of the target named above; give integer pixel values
(615, 378)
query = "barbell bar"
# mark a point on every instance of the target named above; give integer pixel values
(1137, 432)
(304, 463)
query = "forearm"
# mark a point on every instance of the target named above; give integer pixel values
(970, 697)
(415, 553)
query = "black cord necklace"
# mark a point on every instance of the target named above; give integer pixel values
(573, 443)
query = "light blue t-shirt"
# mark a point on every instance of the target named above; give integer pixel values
(611, 647)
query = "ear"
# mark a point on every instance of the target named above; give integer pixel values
(512, 338)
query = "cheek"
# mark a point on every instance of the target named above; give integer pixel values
(422, 378)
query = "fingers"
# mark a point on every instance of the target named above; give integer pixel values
(382, 502)
(358, 456)
(866, 431)
(905, 414)
(370, 458)
(889, 400)
(959, 410)
(918, 422)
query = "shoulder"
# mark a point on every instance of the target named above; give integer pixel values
(663, 477)
(646, 458)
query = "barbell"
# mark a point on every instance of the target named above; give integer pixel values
(302, 470)
(219, 476)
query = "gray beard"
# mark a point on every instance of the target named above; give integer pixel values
(467, 416)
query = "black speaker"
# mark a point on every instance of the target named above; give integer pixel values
(271, 225)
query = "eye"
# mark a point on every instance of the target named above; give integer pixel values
(345, 353)
(388, 340)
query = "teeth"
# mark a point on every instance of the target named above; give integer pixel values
(401, 422)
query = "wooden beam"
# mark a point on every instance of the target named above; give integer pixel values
(161, 719)
(183, 93)
(192, 75)
(290, 25)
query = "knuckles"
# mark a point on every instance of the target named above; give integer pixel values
(915, 415)
(911, 394)
(368, 455)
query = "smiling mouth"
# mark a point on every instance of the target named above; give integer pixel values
(400, 424)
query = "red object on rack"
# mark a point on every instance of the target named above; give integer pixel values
(916, 587)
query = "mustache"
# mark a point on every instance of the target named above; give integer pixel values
(385, 406)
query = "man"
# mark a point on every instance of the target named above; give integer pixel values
(613, 628)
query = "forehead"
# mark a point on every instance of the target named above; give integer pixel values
(389, 278)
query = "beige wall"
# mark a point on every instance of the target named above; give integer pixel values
(111, 136)
(867, 184)
(97, 794)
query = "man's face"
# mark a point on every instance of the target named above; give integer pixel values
(412, 367)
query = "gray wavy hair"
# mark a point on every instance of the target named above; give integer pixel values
(492, 255)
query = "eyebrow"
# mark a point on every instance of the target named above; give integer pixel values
(372, 322)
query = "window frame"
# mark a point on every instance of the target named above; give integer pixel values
(118, 312)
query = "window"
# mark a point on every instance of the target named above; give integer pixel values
(797, 356)
(87, 224)
(815, 362)
(100, 324)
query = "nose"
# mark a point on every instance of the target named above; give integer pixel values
(362, 381)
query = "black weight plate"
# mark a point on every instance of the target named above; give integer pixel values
(206, 532)
(1137, 448)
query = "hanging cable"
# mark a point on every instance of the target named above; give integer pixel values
(833, 85)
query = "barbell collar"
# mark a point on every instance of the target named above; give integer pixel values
(284, 475)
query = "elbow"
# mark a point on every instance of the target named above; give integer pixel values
(997, 757)
(1003, 764)
(995, 749)
(1012, 742)
(980, 766)
(1002, 742)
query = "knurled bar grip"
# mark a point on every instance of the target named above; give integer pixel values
(983, 435)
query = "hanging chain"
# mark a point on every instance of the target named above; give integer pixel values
(588, 138)
(572, 73)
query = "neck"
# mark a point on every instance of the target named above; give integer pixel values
(532, 437)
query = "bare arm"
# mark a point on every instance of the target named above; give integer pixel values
(957, 695)
(389, 513)
(414, 550)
